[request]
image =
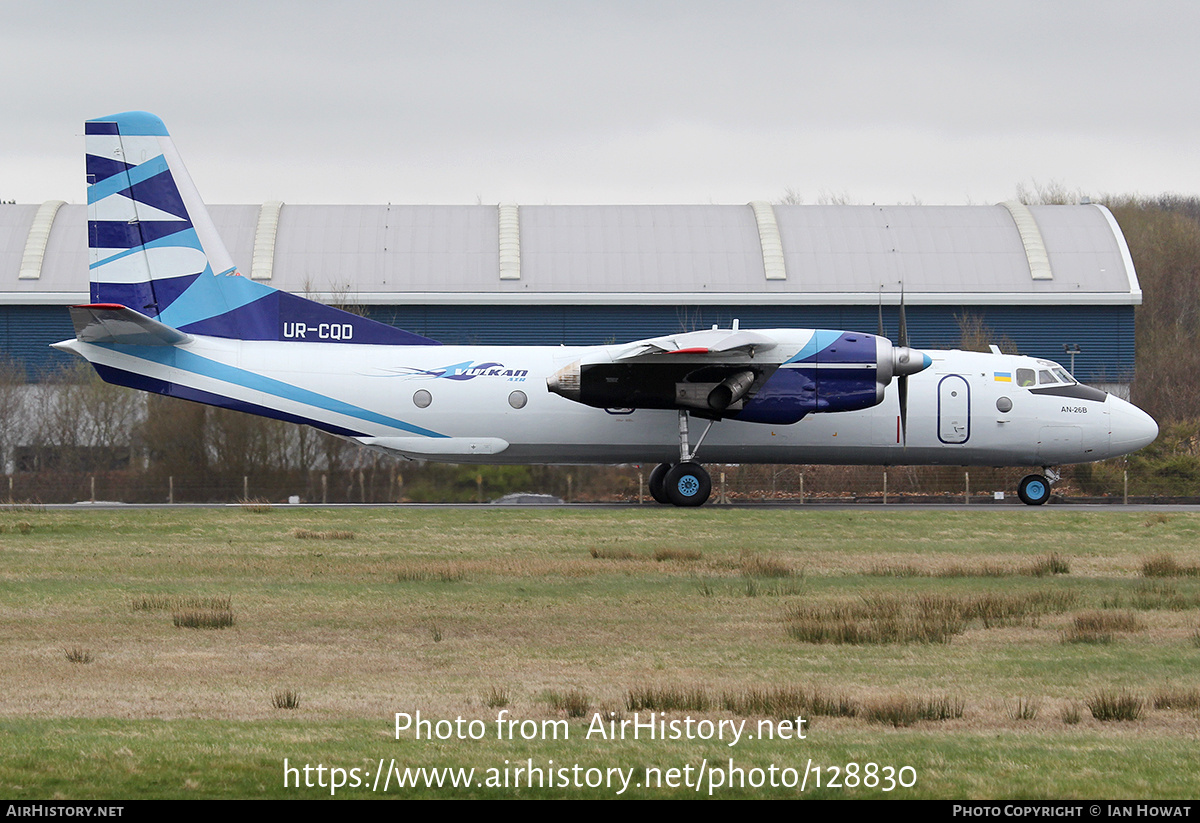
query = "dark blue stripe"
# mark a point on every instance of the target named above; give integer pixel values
(121, 234)
(91, 127)
(121, 377)
(137, 296)
(160, 192)
(278, 314)
(102, 168)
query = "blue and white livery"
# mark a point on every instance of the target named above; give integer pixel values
(171, 314)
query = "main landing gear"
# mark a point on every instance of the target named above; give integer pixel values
(1034, 489)
(685, 483)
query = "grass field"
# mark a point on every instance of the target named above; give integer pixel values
(187, 653)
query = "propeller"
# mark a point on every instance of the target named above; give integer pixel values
(905, 361)
(880, 333)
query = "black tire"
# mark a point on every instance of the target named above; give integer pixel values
(688, 484)
(658, 483)
(1034, 490)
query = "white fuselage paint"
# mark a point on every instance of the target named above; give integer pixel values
(953, 417)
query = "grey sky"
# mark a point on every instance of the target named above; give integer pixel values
(612, 102)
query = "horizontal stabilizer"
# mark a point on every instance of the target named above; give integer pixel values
(438, 447)
(113, 323)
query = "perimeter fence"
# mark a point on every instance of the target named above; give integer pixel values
(386, 481)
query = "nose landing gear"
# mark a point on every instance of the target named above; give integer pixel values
(1034, 489)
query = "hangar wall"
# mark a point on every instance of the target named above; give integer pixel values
(1041, 277)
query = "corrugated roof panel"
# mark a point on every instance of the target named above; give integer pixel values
(1082, 252)
(13, 231)
(640, 248)
(846, 252)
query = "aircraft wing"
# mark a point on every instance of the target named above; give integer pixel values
(714, 342)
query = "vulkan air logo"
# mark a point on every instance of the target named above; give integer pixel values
(469, 370)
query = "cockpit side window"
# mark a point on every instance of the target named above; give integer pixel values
(1045, 377)
(1062, 375)
(1025, 377)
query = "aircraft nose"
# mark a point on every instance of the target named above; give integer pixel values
(1132, 428)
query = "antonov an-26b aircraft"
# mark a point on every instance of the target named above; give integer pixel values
(171, 314)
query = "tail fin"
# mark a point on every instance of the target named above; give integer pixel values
(153, 247)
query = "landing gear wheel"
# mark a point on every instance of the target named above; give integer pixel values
(1034, 490)
(688, 484)
(658, 483)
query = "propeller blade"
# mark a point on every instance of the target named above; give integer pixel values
(903, 321)
(881, 310)
(902, 385)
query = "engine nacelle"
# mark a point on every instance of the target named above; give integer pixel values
(835, 372)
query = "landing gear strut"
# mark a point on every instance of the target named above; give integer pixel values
(685, 483)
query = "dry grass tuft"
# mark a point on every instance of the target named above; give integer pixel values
(152, 602)
(78, 655)
(668, 699)
(255, 506)
(1152, 595)
(756, 565)
(21, 526)
(614, 554)
(779, 588)
(1108, 621)
(162, 602)
(676, 554)
(1109, 704)
(877, 620)
(1165, 565)
(788, 702)
(286, 700)
(306, 534)
(1072, 713)
(1025, 708)
(1101, 626)
(1178, 699)
(497, 697)
(1052, 563)
(923, 618)
(905, 711)
(447, 573)
(573, 703)
(203, 619)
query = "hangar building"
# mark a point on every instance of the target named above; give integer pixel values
(1041, 278)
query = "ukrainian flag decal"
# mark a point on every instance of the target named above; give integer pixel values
(1003, 377)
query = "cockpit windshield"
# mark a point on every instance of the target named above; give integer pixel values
(1052, 375)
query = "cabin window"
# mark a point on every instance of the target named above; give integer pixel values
(422, 399)
(517, 400)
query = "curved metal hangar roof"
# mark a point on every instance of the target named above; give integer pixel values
(752, 254)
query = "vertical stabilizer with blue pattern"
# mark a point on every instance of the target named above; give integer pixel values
(153, 247)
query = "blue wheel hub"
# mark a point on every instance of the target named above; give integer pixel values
(688, 485)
